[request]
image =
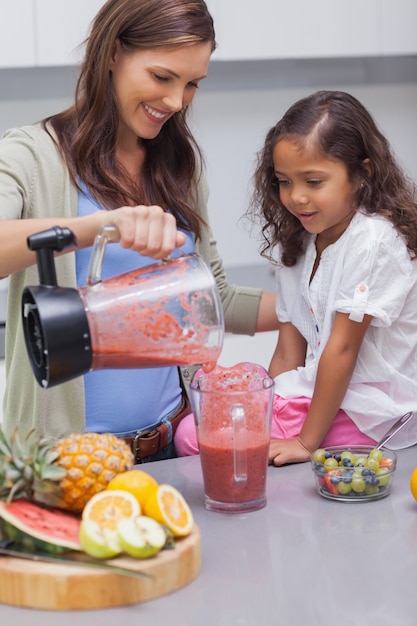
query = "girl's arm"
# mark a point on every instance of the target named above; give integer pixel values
(334, 374)
(290, 351)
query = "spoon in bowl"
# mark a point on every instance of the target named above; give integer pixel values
(404, 419)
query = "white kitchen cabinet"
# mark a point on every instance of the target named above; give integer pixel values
(17, 42)
(51, 32)
(399, 27)
(61, 26)
(267, 29)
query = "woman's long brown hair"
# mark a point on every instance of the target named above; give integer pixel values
(340, 128)
(87, 131)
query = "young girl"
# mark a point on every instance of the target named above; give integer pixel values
(122, 154)
(334, 203)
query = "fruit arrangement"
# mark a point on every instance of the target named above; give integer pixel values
(353, 473)
(134, 515)
(82, 493)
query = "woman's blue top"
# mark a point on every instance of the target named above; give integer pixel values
(123, 401)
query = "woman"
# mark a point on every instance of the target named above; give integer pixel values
(122, 154)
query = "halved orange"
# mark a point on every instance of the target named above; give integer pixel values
(106, 508)
(168, 506)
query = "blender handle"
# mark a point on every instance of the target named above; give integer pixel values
(108, 232)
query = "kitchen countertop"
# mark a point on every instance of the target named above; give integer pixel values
(302, 559)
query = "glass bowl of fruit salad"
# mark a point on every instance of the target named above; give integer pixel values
(353, 473)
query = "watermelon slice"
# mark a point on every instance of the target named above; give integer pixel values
(37, 527)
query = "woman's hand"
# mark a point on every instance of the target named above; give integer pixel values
(283, 451)
(148, 230)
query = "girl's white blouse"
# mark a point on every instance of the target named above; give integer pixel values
(367, 271)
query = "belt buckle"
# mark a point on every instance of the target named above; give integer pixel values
(136, 443)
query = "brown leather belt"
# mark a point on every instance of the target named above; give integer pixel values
(145, 443)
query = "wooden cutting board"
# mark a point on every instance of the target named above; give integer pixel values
(59, 586)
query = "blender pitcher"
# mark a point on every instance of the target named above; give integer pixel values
(232, 411)
(166, 314)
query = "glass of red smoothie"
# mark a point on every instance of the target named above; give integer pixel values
(232, 410)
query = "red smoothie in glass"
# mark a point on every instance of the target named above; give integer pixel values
(218, 468)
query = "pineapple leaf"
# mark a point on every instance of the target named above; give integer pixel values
(19, 488)
(51, 456)
(11, 474)
(28, 473)
(51, 472)
(16, 445)
(4, 448)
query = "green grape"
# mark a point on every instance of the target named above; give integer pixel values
(371, 490)
(358, 484)
(344, 488)
(319, 455)
(330, 463)
(372, 463)
(384, 476)
(375, 454)
(361, 460)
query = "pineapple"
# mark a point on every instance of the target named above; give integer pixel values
(65, 473)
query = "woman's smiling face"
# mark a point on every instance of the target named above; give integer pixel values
(314, 189)
(151, 85)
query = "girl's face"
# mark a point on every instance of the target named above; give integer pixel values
(151, 85)
(316, 190)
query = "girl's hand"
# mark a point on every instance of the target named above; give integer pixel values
(148, 230)
(282, 451)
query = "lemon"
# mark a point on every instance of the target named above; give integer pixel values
(98, 529)
(168, 506)
(137, 482)
(141, 536)
(413, 483)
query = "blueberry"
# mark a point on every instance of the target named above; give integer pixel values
(320, 469)
(335, 479)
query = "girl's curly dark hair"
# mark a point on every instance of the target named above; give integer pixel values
(342, 129)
